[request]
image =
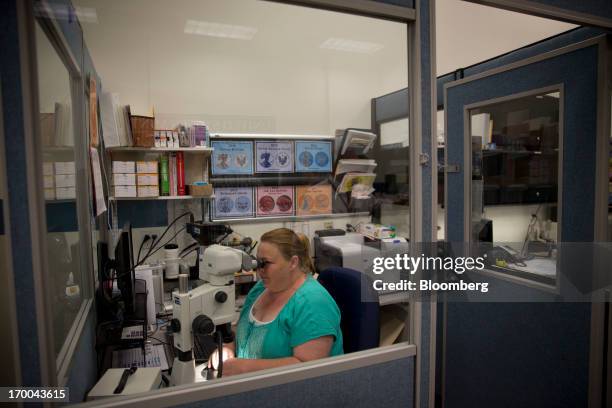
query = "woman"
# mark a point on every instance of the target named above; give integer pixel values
(288, 317)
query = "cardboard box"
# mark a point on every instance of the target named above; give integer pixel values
(146, 167)
(48, 168)
(200, 191)
(124, 179)
(124, 191)
(148, 191)
(64, 167)
(48, 181)
(147, 179)
(124, 167)
(65, 180)
(49, 194)
(65, 193)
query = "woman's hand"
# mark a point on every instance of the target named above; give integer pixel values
(235, 366)
(213, 360)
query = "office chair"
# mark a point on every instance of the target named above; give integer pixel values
(360, 319)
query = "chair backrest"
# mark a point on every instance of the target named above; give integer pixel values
(358, 303)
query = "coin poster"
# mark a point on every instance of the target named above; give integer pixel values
(313, 200)
(232, 157)
(274, 201)
(274, 157)
(313, 157)
(233, 202)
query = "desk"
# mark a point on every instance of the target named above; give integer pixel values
(543, 270)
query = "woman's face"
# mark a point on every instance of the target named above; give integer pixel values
(278, 274)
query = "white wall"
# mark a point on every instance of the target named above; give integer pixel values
(281, 80)
(468, 33)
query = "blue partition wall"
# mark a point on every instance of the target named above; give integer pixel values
(18, 200)
(387, 384)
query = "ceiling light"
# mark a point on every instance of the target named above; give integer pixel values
(65, 12)
(342, 44)
(218, 30)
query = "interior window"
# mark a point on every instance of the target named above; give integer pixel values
(515, 161)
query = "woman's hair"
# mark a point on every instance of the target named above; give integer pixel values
(289, 244)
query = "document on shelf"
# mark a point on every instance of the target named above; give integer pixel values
(355, 165)
(351, 179)
(97, 181)
(132, 357)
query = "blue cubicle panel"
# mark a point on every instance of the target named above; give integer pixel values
(558, 41)
(525, 354)
(389, 384)
(1, 217)
(402, 3)
(18, 202)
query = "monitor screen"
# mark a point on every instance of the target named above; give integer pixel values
(124, 268)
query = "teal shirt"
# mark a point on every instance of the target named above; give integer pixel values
(309, 314)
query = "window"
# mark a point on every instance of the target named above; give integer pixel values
(515, 162)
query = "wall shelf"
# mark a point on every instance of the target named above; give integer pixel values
(275, 180)
(202, 150)
(294, 218)
(269, 136)
(163, 198)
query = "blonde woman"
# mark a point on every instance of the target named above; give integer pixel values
(288, 317)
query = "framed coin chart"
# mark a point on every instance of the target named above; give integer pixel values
(230, 157)
(313, 157)
(275, 201)
(313, 200)
(273, 157)
(233, 202)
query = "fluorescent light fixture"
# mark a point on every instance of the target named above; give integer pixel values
(65, 12)
(553, 95)
(342, 44)
(218, 30)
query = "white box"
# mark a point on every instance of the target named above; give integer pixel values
(65, 193)
(148, 191)
(64, 167)
(48, 169)
(65, 180)
(143, 380)
(124, 167)
(48, 181)
(146, 166)
(147, 179)
(124, 179)
(49, 194)
(124, 191)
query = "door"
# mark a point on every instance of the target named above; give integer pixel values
(523, 138)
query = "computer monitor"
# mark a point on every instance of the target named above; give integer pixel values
(124, 269)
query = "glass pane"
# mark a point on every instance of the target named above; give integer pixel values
(610, 188)
(274, 98)
(59, 172)
(441, 145)
(515, 151)
(393, 175)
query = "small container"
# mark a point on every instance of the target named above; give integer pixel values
(172, 268)
(198, 190)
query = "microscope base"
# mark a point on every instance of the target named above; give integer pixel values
(183, 372)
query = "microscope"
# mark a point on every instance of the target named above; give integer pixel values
(208, 309)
